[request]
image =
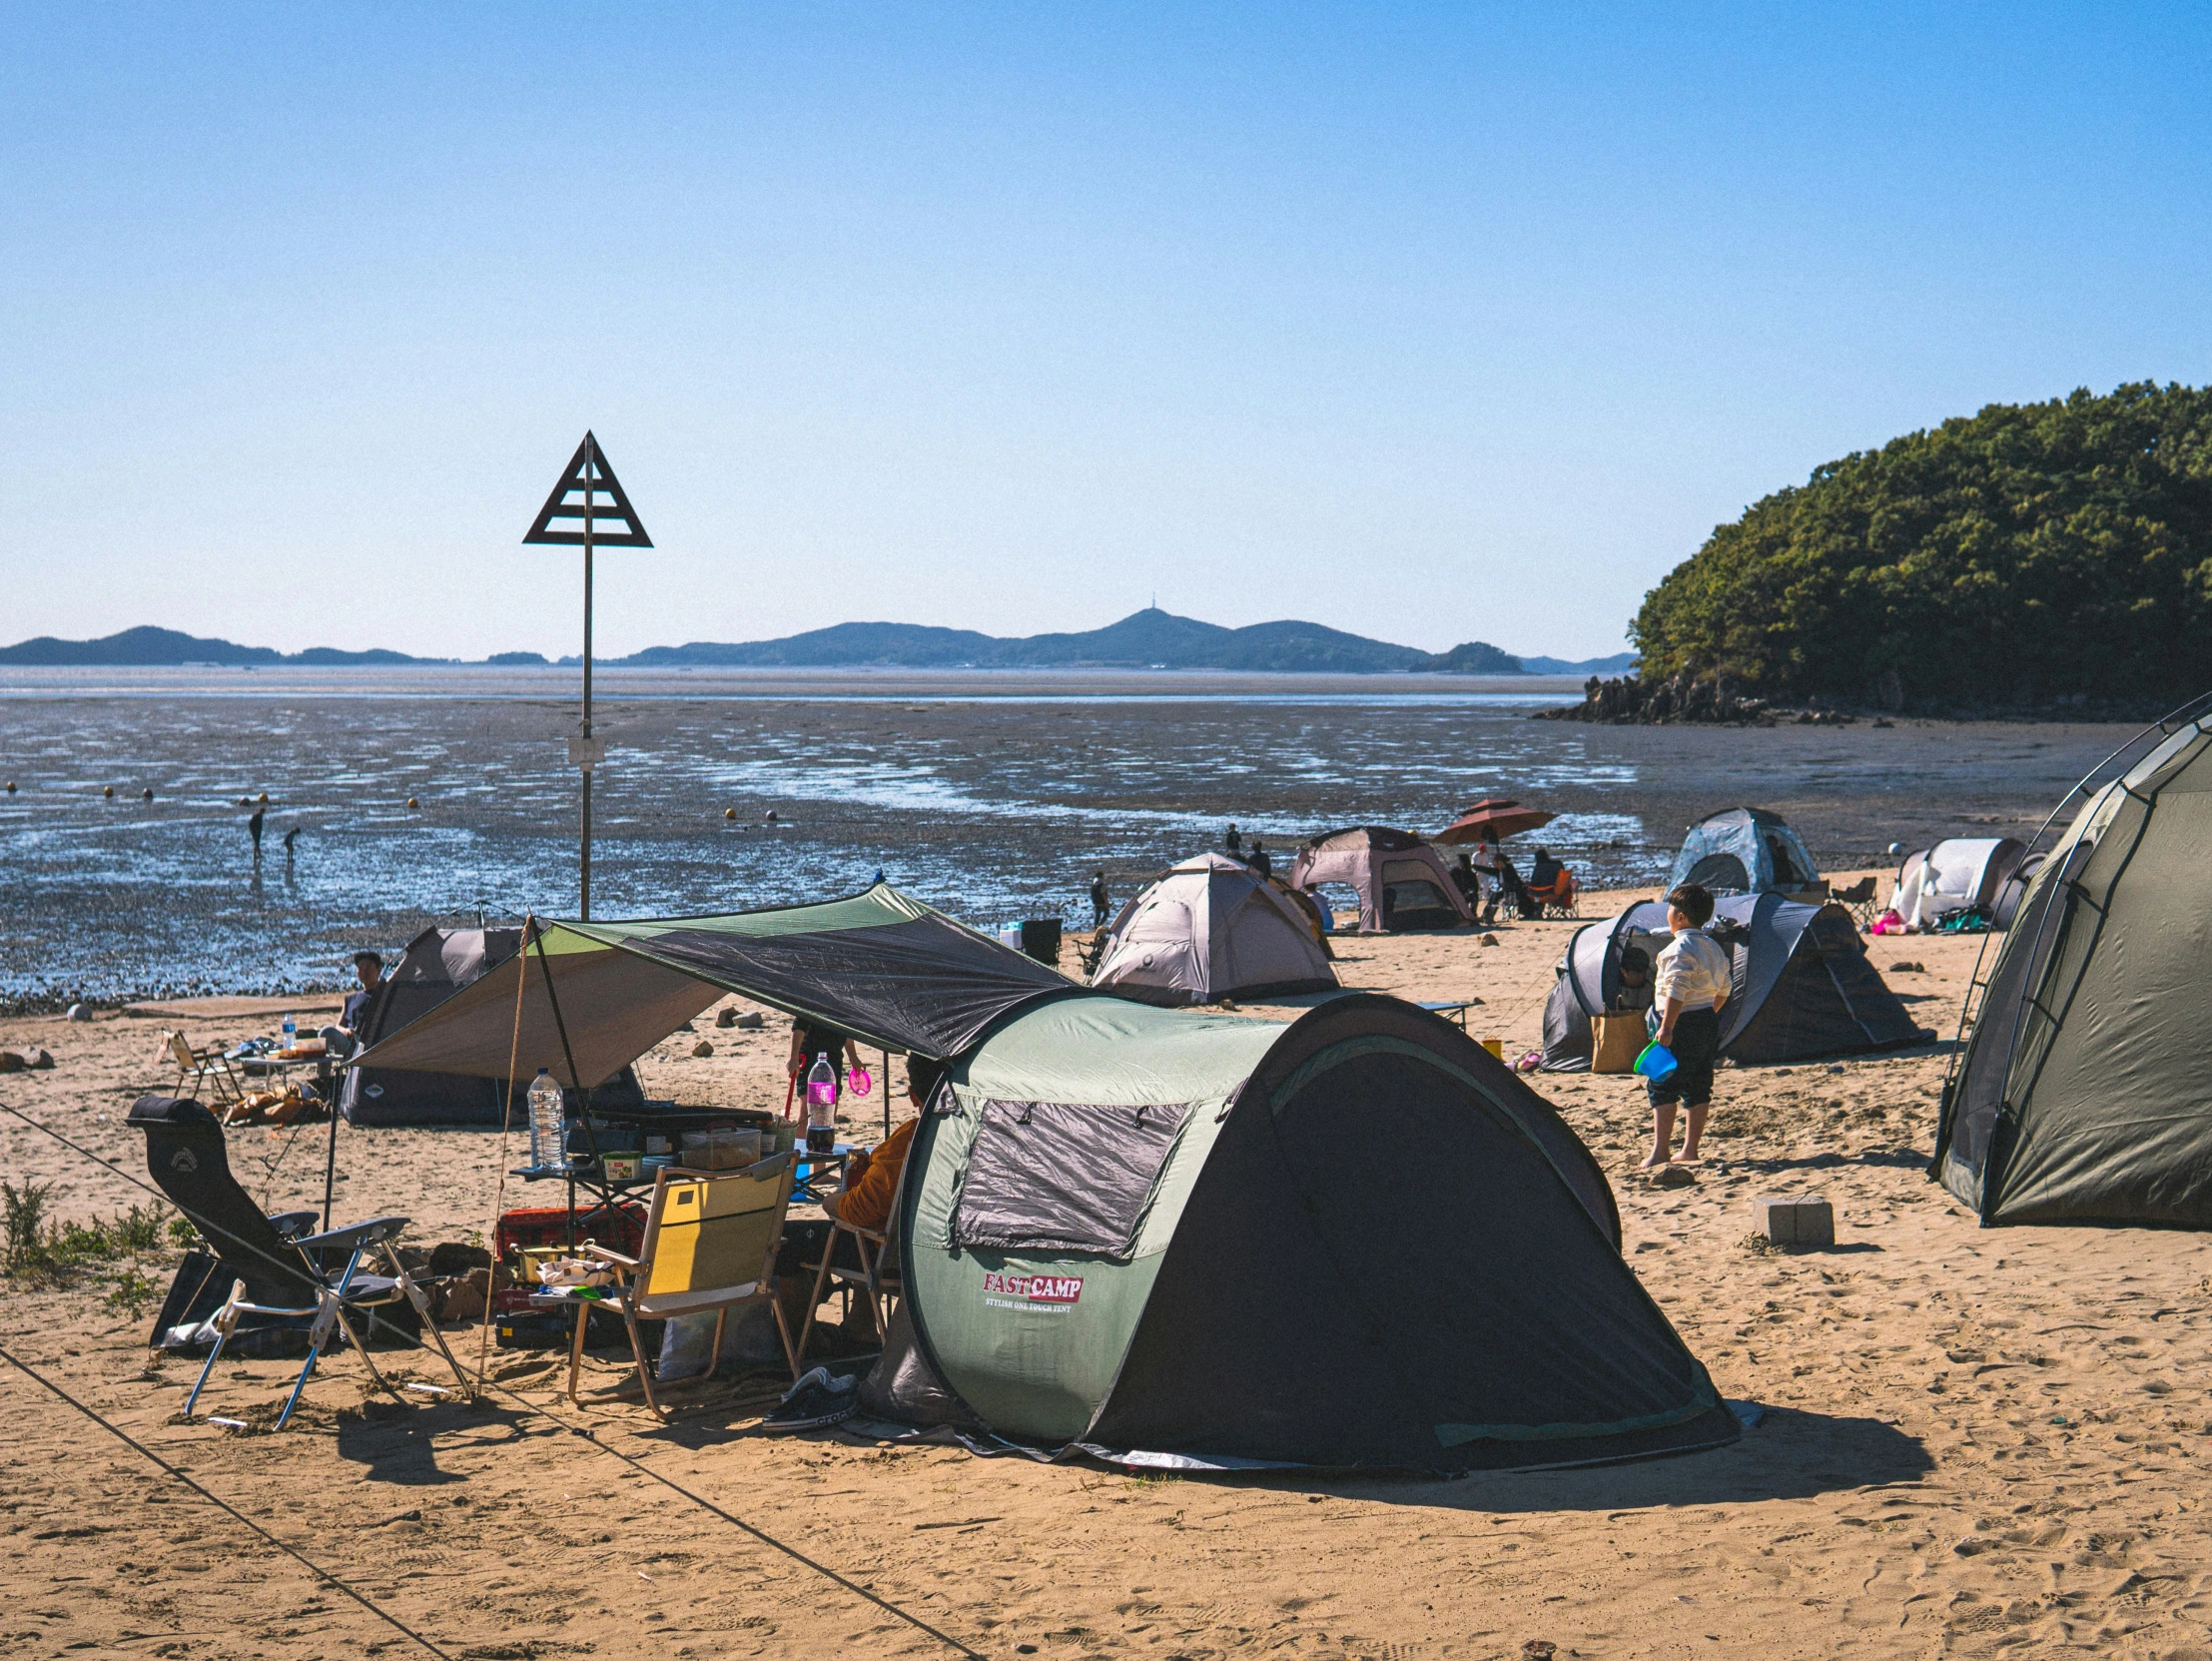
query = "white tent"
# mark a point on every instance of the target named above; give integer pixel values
(1211, 928)
(1958, 873)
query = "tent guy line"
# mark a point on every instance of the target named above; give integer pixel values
(527, 1406)
(124, 1436)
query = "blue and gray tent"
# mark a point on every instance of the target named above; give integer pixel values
(1802, 985)
(1744, 850)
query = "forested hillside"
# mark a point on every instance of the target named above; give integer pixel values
(2026, 552)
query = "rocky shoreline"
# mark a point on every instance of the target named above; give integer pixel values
(1715, 700)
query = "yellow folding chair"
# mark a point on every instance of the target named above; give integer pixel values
(710, 1245)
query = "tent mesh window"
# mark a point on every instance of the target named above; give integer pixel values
(1059, 1176)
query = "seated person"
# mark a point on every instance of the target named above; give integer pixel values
(1636, 979)
(863, 1200)
(1504, 882)
(343, 1039)
(1544, 875)
(1465, 879)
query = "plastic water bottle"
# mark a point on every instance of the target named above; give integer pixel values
(821, 1106)
(291, 1031)
(548, 1123)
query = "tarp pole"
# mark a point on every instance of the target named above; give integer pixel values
(887, 1093)
(575, 1081)
(330, 1160)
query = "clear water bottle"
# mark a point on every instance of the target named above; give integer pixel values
(291, 1031)
(821, 1106)
(548, 1123)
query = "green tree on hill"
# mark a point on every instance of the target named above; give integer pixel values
(2029, 550)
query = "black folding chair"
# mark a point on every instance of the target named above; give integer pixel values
(277, 1271)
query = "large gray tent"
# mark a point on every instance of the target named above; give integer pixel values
(1212, 928)
(2083, 1095)
(1802, 984)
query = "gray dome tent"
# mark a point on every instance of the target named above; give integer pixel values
(1744, 850)
(2082, 1094)
(1803, 984)
(1200, 1240)
(1212, 928)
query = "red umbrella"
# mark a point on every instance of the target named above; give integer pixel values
(1495, 817)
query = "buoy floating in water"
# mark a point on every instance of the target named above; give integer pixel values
(107, 790)
(262, 798)
(727, 813)
(411, 802)
(11, 787)
(147, 794)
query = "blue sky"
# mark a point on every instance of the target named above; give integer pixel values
(1435, 323)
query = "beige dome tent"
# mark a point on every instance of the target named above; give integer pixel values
(1211, 928)
(1401, 882)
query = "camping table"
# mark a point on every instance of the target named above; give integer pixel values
(1451, 1010)
(810, 1181)
(273, 1066)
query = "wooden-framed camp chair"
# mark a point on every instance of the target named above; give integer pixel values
(280, 1272)
(877, 1280)
(710, 1246)
(208, 1066)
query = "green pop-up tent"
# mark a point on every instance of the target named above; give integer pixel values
(1353, 1239)
(880, 965)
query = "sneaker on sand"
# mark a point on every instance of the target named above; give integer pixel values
(817, 1399)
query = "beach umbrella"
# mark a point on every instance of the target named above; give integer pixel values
(1495, 817)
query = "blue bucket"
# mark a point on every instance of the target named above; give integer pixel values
(1657, 1063)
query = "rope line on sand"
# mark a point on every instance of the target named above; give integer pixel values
(213, 1498)
(527, 1406)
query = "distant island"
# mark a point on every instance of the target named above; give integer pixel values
(2017, 556)
(1148, 639)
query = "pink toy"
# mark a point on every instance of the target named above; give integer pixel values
(860, 1081)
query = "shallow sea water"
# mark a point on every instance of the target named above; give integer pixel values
(992, 794)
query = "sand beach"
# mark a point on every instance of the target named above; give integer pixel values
(1973, 1441)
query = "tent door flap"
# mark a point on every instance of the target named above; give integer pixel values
(1062, 1177)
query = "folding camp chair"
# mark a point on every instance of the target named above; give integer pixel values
(208, 1066)
(710, 1243)
(1559, 899)
(877, 1280)
(277, 1272)
(1858, 900)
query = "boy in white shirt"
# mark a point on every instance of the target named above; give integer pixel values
(1690, 983)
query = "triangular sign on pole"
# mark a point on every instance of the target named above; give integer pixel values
(592, 484)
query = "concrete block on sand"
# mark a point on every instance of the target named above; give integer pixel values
(1795, 1219)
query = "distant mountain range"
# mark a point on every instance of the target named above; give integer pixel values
(1150, 638)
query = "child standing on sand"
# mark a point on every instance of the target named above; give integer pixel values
(1690, 985)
